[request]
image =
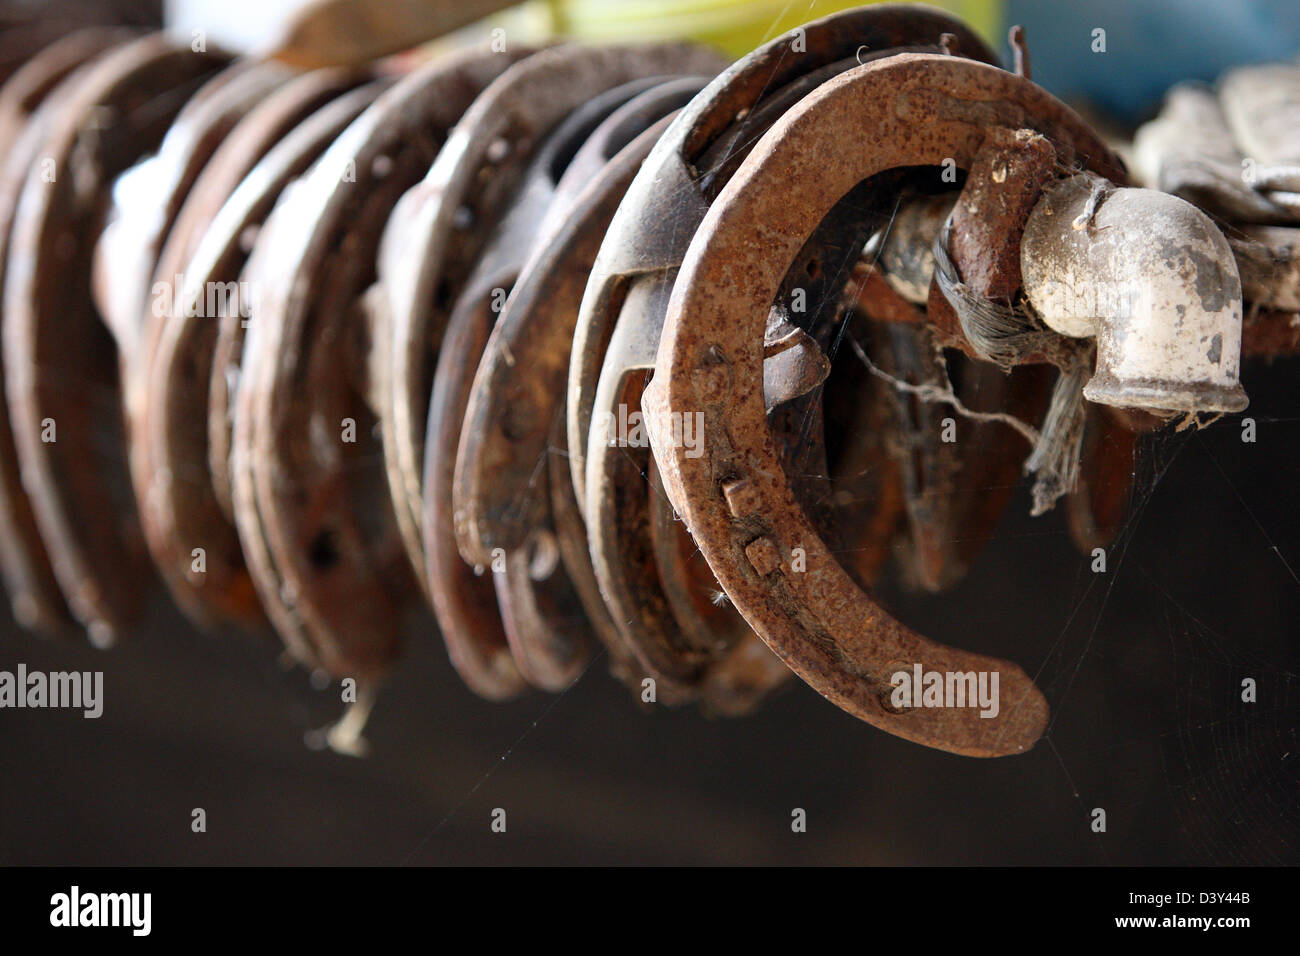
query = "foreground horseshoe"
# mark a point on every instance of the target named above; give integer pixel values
(203, 261)
(659, 601)
(61, 373)
(25, 112)
(658, 230)
(148, 200)
(307, 468)
(907, 110)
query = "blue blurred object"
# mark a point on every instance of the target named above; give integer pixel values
(1150, 45)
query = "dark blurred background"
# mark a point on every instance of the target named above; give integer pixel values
(1142, 666)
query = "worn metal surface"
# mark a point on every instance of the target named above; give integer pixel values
(28, 102)
(622, 312)
(407, 274)
(1154, 281)
(519, 387)
(181, 470)
(510, 444)
(474, 181)
(968, 482)
(305, 460)
(147, 199)
(648, 239)
(1262, 107)
(60, 360)
(1268, 261)
(145, 211)
(1189, 151)
(919, 109)
(533, 595)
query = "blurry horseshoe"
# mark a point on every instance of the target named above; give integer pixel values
(955, 491)
(918, 110)
(147, 199)
(40, 73)
(534, 601)
(519, 385)
(868, 486)
(239, 225)
(304, 455)
(208, 248)
(545, 652)
(60, 362)
(26, 107)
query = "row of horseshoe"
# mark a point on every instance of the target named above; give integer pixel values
(327, 348)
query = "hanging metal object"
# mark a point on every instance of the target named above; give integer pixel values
(908, 110)
(28, 102)
(305, 459)
(61, 363)
(191, 347)
(431, 286)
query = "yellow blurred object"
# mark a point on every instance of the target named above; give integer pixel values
(734, 26)
(332, 32)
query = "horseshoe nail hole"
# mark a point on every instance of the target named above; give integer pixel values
(442, 296)
(519, 420)
(887, 688)
(463, 218)
(814, 268)
(497, 150)
(503, 663)
(324, 550)
(887, 705)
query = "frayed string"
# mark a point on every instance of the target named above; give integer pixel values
(1055, 460)
(1007, 336)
